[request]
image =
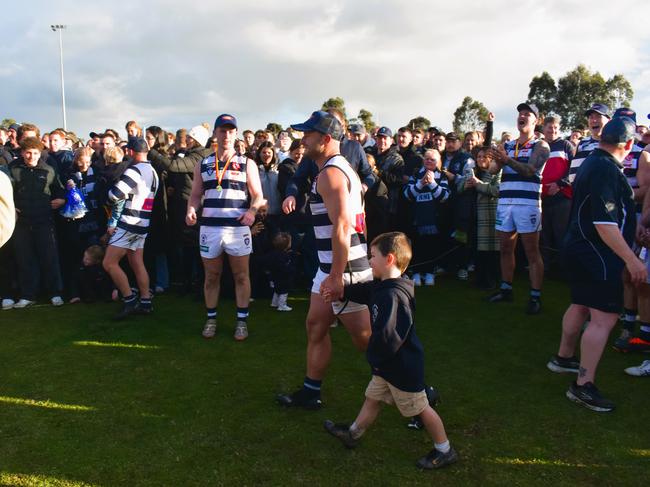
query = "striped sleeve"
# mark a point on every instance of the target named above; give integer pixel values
(126, 185)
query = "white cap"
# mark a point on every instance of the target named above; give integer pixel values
(200, 134)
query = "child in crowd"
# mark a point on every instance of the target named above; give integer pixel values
(280, 264)
(486, 183)
(94, 283)
(427, 188)
(394, 352)
(114, 156)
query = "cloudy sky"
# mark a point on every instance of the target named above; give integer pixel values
(177, 64)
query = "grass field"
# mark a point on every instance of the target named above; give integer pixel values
(86, 401)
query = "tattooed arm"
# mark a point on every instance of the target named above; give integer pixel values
(535, 164)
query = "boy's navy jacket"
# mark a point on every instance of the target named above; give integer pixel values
(394, 351)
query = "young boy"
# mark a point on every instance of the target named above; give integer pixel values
(394, 352)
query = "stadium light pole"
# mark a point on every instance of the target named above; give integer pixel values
(60, 27)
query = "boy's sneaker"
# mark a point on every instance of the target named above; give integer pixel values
(561, 365)
(8, 303)
(501, 296)
(642, 370)
(429, 280)
(210, 328)
(342, 432)
(23, 303)
(274, 300)
(144, 309)
(417, 280)
(462, 275)
(300, 399)
(241, 331)
(437, 459)
(589, 396)
(634, 344)
(127, 310)
(534, 306)
(415, 423)
(57, 301)
(284, 307)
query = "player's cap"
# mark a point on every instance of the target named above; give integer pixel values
(600, 109)
(225, 119)
(323, 122)
(531, 107)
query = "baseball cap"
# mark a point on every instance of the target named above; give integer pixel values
(385, 132)
(599, 108)
(14, 126)
(618, 130)
(531, 107)
(452, 136)
(357, 128)
(625, 112)
(137, 144)
(322, 122)
(200, 134)
(225, 119)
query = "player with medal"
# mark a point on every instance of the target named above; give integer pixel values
(227, 188)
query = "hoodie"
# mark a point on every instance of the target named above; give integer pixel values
(394, 352)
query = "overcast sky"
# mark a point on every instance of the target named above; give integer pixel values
(177, 64)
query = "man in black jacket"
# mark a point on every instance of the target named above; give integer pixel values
(37, 191)
(390, 167)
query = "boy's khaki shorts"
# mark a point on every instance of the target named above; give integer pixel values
(409, 403)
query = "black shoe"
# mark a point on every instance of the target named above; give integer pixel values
(144, 309)
(415, 423)
(300, 399)
(342, 432)
(534, 306)
(436, 459)
(502, 295)
(560, 364)
(127, 310)
(588, 395)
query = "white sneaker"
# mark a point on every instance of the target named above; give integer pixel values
(274, 300)
(57, 301)
(8, 303)
(429, 280)
(282, 303)
(417, 280)
(23, 303)
(462, 274)
(159, 290)
(642, 370)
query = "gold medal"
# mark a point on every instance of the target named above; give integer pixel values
(219, 188)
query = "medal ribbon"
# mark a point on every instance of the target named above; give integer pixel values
(219, 175)
(523, 146)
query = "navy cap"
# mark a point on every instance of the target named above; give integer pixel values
(384, 132)
(599, 108)
(452, 136)
(618, 130)
(625, 112)
(225, 119)
(357, 128)
(531, 107)
(137, 144)
(322, 122)
(14, 126)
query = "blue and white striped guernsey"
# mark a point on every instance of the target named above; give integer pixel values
(631, 165)
(516, 189)
(222, 208)
(358, 254)
(138, 186)
(585, 147)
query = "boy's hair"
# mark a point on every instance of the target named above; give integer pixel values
(27, 127)
(81, 152)
(96, 253)
(31, 143)
(395, 243)
(113, 155)
(282, 241)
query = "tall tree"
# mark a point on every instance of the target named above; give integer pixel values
(366, 118)
(619, 91)
(336, 102)
(543, 92)
(470, 115)
(419, 122)
(274, 128)
(576, 92)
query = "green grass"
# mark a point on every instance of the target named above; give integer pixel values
(169, 408)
